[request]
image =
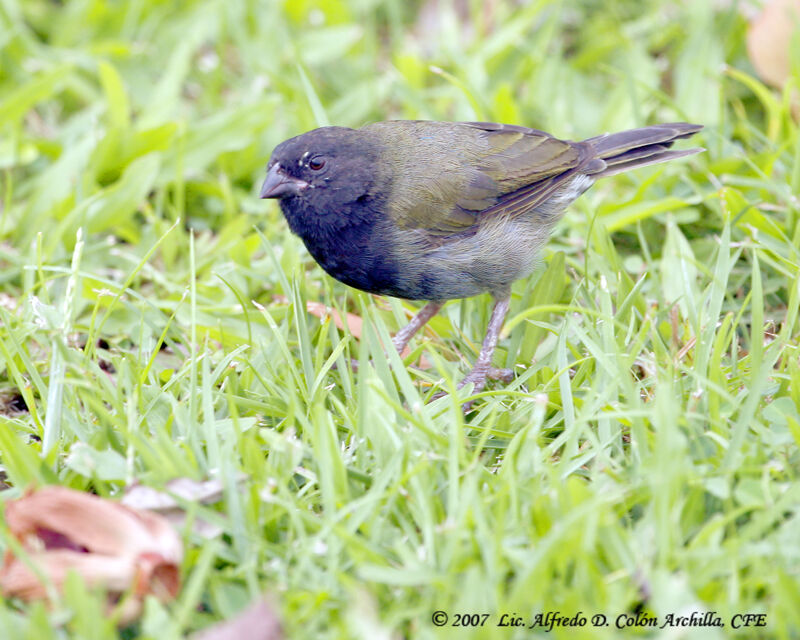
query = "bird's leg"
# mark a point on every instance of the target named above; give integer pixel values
(405, 334)
(402, 337)
(482, 368)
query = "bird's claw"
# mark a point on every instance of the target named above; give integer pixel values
(478, 380)
(503, 375)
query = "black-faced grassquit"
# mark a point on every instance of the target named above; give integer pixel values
(440, 210)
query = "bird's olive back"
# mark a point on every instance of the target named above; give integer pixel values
(443, 174)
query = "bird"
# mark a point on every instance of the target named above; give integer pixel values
(435, 211)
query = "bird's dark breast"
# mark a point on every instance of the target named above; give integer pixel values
(355, 263)
(350, 246)
(361, 258)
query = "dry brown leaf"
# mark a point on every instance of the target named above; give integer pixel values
(258, 622)
(769, 39)
(111, 546)
(354, 324)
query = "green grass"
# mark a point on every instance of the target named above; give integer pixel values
(152, 319)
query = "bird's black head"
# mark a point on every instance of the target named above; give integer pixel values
(322, 178)
(332, 191)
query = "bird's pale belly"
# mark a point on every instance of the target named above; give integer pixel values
(501, 252)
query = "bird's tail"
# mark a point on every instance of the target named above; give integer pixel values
(617, 152)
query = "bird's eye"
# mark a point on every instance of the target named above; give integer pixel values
(315, 164)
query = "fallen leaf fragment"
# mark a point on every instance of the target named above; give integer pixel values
(354, 325)
(114, 547)
(140, 496)
(354, 322)
(769, 39)
(258, 622)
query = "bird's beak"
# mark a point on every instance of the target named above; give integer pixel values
(278, 184)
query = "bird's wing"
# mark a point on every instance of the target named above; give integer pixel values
(450, 174)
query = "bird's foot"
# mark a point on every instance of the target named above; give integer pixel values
(503, 375)
(478, 379)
